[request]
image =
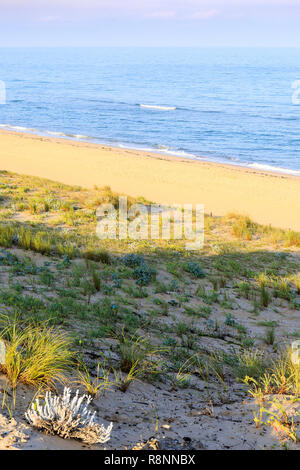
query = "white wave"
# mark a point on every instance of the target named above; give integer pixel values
(52, 133)
(72, 136)
(157, 107)
(79, 136)
(260, 166)
(61, 134)
(179, 153)
(161, 149)
(18, 128)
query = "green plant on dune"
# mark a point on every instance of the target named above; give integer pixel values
(282, 377)
(194, 269)
(35, 355)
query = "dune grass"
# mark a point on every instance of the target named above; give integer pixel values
(35, 355)
(281, 377)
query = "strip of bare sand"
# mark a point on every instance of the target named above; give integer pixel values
(266, 197)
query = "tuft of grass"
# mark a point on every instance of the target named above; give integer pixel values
(122, 381)
(133, 352)
(35, 355)
(246, 363)
(269, 337)
(95, 276)
(94, 386)
(138, 358)
(244, 228)
(265, 298)
(101, 256)
(281, 378)
(292, 238)
(296, 280)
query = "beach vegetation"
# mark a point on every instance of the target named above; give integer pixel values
(107, 314)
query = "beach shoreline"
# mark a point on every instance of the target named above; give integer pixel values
(268, 197)
(155, 153)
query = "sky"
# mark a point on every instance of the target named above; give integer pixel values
(156, 23)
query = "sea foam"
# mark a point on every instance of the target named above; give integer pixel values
(157, 107)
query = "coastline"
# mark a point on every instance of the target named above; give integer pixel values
(164, 152)
(268, 197)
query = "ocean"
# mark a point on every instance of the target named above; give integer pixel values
(227, 105)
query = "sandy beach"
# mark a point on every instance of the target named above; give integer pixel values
(268, 198)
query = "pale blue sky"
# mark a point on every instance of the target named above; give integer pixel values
(149, 23)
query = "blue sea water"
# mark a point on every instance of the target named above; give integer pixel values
(225, 105)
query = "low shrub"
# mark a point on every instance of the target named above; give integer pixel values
(144, 274)
(133, 260)
(194, 269)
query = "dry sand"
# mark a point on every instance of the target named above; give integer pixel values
(177, 419)
(268, 198)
